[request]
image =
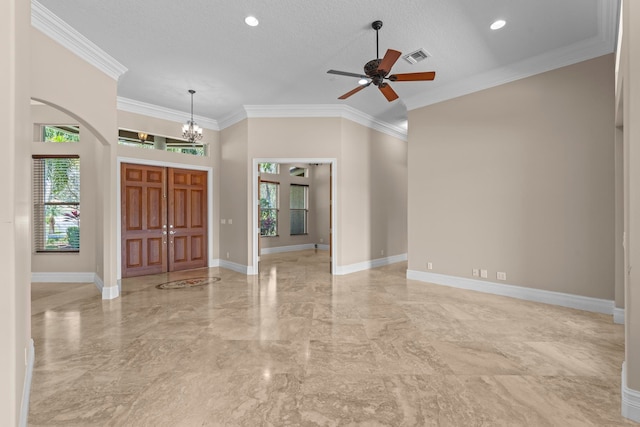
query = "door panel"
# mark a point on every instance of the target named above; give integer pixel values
(143, 217)
(187, 219)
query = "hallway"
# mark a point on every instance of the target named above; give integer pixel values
(296, 346)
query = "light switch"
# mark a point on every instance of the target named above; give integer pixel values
(223, 221)
(230, 221)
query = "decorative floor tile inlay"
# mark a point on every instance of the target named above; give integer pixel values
(188, 283)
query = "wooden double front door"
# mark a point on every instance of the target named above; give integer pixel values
(164, 219)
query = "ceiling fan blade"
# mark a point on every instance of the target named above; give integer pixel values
(389, 59)
(412, 77)
(345, 73)
(388, 92)
(351, 92)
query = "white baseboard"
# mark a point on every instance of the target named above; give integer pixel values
(530, 294)
(98, 282)
(630, 398)
(75, 277)
(281, 249)
(238, 268)
(26, 389)
(367, 265)
(110, 292)
(68, 277)
(293, 248)
(214, 262)
(618, 315)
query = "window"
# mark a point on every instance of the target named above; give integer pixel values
(60, 133)
(269, 208)
(156, 142)
(272, 168)
(298, 171)
(299, 208)
(56, 203)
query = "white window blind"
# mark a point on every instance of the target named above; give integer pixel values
(299, 208)
(56, 203)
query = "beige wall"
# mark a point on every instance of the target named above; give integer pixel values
(372, 195)
(14, 210)
(85, 260)
(89, 96)
(234, 185)
(520, 179)
(629, 94)
(91, 154)
(295, 138)
(364, 157)
(360, 153)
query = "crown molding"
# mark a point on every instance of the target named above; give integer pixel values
(233, 118)
(49, 24)
(325, 110)
(601, 44)
(145, 109)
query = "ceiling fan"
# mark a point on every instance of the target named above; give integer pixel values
(377, 71)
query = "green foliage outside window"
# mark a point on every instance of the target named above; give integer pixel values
(56, 203)
(269, 209)
(271, 168)
(61, 134)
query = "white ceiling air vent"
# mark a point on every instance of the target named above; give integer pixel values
(417, 56)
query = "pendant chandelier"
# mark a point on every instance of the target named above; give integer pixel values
(190, 130)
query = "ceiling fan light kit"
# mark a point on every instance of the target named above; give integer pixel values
(377, 71)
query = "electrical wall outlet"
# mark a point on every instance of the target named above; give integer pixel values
(501, 275)
(484, 274)
(227, 255)
(429, 266)
(475, 272)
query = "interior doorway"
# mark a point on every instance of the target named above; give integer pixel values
(163, 219)
(255, 210)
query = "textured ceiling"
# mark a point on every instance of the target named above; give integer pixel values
(169, 47)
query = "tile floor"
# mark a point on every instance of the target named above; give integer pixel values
(297, 347)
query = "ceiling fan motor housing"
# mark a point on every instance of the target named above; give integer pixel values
(371, 67)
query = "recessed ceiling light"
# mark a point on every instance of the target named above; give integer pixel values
(251, 21)
(498, 24)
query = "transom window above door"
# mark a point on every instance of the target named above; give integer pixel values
(157, 142)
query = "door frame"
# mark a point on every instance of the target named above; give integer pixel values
(147, 162)
(255, 227)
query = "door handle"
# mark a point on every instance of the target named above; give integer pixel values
(172, 232)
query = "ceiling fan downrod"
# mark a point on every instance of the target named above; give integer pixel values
(376, 25)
